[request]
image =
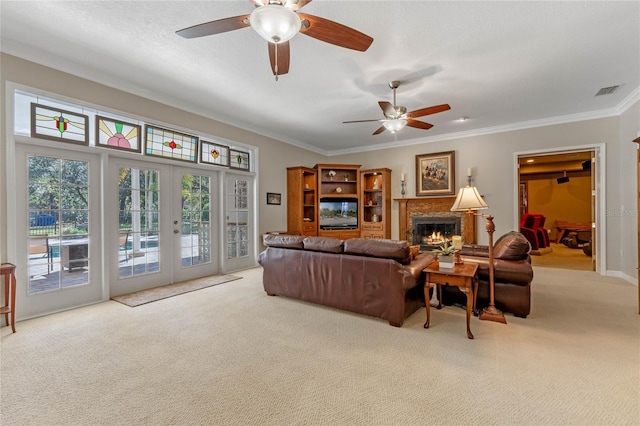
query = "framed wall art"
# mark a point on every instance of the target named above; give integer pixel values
(274, 198)
(435, 174)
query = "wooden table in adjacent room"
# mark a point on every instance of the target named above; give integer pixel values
(462, 276)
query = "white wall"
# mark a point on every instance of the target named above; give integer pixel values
(625, 217)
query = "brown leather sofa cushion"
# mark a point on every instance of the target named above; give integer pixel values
(284, 241)
(387, 249)
(324, 244)
(511, 246)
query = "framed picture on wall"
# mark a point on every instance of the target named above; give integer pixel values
(435, 174)
(274, 198)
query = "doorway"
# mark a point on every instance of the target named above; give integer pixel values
(59, 227)
(165, 225)
(560, 189)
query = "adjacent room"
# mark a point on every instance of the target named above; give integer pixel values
(317, 212)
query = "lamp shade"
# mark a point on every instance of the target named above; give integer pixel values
(468, 199)
(395, 125)
(275, 23)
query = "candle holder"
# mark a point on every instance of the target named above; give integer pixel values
(403, 185)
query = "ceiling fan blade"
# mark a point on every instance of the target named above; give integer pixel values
(359, 121)
(215, 27)
(429, 110)
(380, 130)
(387, 109)
(418, 124)
(334, 33)
(297, 4)
(282, 56)
(259, 2)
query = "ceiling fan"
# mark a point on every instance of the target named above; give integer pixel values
(396, 116)
(277, 21)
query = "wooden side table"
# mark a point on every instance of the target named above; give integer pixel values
(462, 276)
(8, 270)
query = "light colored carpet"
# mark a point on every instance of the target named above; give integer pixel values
(158, 293)
(231, 355)
(564, 257)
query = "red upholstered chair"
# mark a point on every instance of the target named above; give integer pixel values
(543, 235)
(532, 227)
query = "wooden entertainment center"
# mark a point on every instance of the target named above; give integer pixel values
(364, 198)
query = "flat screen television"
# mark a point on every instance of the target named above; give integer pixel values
(338, 213)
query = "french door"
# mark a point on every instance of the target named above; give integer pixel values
(58, 227)
(239, 218)
(165, 225)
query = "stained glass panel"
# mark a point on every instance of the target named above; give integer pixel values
(167, 143)
(214, 153)
(53, 123)
(239, 160)
(117, 134)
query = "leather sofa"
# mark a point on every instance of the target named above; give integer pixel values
(513, 274)
(375, 277)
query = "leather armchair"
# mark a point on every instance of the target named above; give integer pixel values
(513, 274)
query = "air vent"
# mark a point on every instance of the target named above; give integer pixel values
(607, 90)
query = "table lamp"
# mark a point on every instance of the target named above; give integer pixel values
(470, 201)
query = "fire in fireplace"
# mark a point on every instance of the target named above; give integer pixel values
(430, 232)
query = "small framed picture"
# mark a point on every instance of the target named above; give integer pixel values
(274, 198)
(435, 174)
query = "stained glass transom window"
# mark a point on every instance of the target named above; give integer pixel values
(117, 134)
(53, 123)
(214, 153)
(239, 160)
(167, 143)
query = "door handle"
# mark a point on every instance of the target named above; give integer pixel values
(175, 231)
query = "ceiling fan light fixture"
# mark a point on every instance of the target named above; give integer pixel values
(395, 125)
(275, 23)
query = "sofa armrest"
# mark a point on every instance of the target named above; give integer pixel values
(505, 271)
(418, 264)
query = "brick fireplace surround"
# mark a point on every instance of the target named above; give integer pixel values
(437, 206)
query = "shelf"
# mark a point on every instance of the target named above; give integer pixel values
(338, 195)
(376, 188)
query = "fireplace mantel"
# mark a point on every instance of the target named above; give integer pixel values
(420, 206)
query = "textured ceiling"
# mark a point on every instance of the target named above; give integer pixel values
(504, 65)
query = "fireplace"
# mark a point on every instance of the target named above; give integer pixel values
(431, 231)
(429, 209)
